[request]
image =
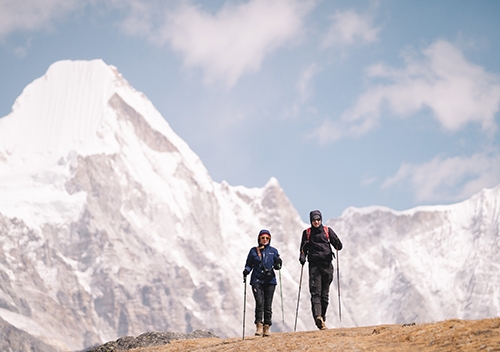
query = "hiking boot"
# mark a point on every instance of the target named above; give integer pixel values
(266, 330)
(320, 323)
(258, 330)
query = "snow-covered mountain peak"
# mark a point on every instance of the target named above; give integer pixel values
(58, 111)
(115, 219)
(78, 105)
(76, 110)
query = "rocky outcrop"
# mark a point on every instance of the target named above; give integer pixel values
(149, 339)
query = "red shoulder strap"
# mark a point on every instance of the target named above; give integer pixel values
(325, 228)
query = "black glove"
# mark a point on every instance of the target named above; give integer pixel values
(278, 263)
(245, 272)
(302, 259)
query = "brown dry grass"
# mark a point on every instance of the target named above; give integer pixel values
(449, 335)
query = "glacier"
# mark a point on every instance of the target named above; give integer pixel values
(111, 225)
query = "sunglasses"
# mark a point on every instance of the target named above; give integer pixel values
(265, 237)
(314, 220)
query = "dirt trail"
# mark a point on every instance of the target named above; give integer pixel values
(449, 335)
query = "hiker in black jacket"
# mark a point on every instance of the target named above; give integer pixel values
(315, 246)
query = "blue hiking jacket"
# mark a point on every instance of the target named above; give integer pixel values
(258, 265)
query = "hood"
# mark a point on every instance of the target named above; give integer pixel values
(264, 231)
(315, 214)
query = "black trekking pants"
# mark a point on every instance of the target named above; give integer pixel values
(320, 278)
(263, 294)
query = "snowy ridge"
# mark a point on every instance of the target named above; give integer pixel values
(424, 264)
(112, 224)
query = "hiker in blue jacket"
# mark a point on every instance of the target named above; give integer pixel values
(315, 245)
(261, 261)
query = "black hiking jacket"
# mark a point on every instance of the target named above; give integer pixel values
(317, 249)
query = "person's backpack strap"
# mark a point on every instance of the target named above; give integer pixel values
(325, 228)
(258, 250)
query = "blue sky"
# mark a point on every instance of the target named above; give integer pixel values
(346, 103)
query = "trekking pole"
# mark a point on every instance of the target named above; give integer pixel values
(298, 299)
(244, 303)
(338, 284)
(281, 294)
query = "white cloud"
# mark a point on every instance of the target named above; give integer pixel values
(304, 86)
(456, 91)
(226, 45)
(349, 28)
(449, 179)
(236, 39)
(30, 15)
(328, 132)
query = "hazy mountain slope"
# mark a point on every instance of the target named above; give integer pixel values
(13, 339)
(423, 264)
